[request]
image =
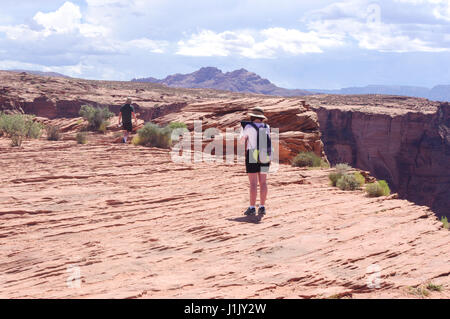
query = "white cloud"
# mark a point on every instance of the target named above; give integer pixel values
(362, 21)
(150, 45)
(266, 43)
(100, 3)
(210, 43)
(55, 32)
(66, 19)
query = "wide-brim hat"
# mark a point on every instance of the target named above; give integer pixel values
(257, 112)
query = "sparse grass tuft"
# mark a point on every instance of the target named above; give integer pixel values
(81, 138)
(308, 159)
(103, 127)
(419, 291)
(53, 133)
(444, 221)
(434, 287)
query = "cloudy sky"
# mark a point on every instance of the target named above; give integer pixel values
(293, 43)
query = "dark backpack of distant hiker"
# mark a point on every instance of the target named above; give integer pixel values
(263, 151)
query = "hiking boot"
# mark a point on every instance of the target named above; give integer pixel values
(250, 212)
(261, 211)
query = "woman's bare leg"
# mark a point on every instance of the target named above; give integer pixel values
(262, 187)
(253, 178)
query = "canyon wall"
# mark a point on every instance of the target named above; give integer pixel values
(409, 149)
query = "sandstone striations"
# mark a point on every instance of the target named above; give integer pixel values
(129, 222)
(133, 224)
(405, 141)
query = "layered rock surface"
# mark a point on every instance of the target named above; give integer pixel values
(405, 141)
(134, 224)
(61, 98)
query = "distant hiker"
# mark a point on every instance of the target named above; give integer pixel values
(257, 157)
(126, 111)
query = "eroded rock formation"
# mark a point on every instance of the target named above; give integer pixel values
(405, 141)
(62, 98)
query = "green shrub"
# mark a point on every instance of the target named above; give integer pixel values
(444, 221)
(308, 159)
(360, 179)
(339, 170)
(334, 177)
(81, 138)
(384, 185)
(18, 127)
(53, 133)
(97, 117)
(379, 188)
(153, 135)
(348, 182)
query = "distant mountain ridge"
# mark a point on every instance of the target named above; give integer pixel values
(241, 81)
(437, 93)
(42, 73)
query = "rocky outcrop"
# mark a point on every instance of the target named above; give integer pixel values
(408, 145)
(54, 98)
(296, 122)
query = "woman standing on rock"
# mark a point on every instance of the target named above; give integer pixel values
(256, 135)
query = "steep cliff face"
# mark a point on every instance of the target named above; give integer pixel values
(409, 149)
